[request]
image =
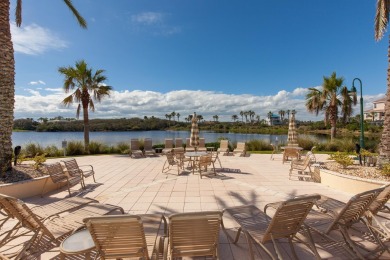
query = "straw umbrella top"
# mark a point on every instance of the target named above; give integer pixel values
(194, 138)
(292, 138)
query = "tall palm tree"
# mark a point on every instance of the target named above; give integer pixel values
(288, 114)
(87, 86)
(381, 23)
(173, 115)
(332, 97)
(269, 115)
(234, 117)
(246, 116)
(242, 116)
(178, 116)
(7, 76)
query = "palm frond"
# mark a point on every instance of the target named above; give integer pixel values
(91, 105)
(78, 111)
(381, 18)
(79, 18)
(68, 100)
(18, 13)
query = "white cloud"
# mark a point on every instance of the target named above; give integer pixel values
(39, 82)
(54, 89)
(34, 39)
(147, 18)
(154, 23)
(139, 103)
(300, 92)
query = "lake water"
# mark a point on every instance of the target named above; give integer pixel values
(113, 138)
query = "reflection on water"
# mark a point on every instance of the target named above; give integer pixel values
(113, 138)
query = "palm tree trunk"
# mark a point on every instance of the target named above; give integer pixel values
(86, 129)
(7, 86)
(385, 140)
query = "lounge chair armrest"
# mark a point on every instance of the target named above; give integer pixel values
(87, 165)
(273, 205)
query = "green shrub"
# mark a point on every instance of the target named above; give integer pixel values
(306, 143)
(75, 148)
(123, 147)
(53, 151)
(342, 158)
(98, 148)
(386, 169)
(39, 159)
(258, 145)
(32, 149)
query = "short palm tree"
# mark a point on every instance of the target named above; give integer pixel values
(7, 76)
(381, 23)
(330, 99)
(269, 115)
(87, 87)
(234, 117)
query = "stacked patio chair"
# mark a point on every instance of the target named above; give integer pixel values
(193, 234)
(202, 145)
(59, 177)
(135, 151)
(241, 149)
(178, 143)
(127, 235)
(223, 147)
(148, 147)
(286, 223)
(172, 162)
(205, 162)
(168, 146)
(301, 169)
(343, 217)
(74, 169)
(53, 229)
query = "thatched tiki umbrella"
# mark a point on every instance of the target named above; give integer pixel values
(194, 138)
(292, 139)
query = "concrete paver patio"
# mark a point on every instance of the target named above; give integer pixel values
(139, 186)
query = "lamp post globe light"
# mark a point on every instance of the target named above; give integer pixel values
(361, 110)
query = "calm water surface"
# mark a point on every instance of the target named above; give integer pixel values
(113, 138)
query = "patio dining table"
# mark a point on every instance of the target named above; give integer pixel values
(194, 156)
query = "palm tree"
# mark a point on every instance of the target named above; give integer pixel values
(281, 113)
(288, 115)
(178, 116)
(332, 97)
(7, 77)
(258, 118)
(246, 116)
(381, 23)
(269, 115)
(173, 115)
(216, 118)
(234, 117)
(87, 86)
(242, 116)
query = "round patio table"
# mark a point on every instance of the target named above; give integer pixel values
(194, 157)
(80, 242)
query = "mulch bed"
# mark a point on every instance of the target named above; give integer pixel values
(22, 172)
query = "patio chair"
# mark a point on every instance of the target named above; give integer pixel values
(178, 143)
(375, 221)
(275, 150)
(59, 177)
(301, 169)
(135, 151)
(202, 145)
(53, 229)
(290, 153)
(204, 162)
(223, 147)
(74, 169)
(342, 217)
(42, 211)
(148, 147)
(189, 148)
(193, 234)
(126, 235)
(171, 162)
(241, 149)
(286, 222)
(215, 157)
(168, 146)
(179, 155)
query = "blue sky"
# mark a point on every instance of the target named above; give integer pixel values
(212, 57)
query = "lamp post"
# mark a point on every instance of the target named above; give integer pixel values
(361, 110)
